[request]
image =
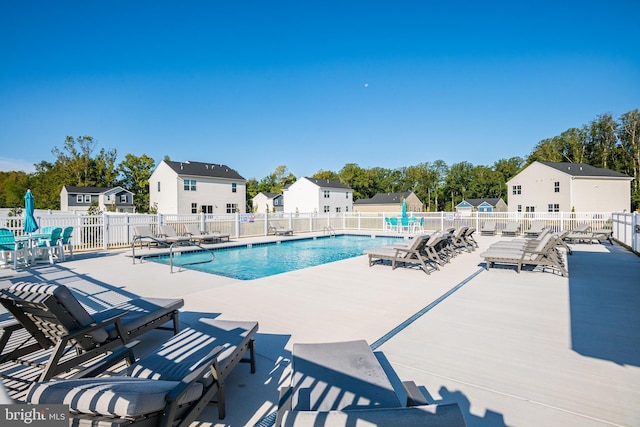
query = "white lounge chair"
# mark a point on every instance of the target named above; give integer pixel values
(143, 235)
(489, 228)
(169, 233)
(535, 229)
(197, 236)
(511, 229)
(278, 229)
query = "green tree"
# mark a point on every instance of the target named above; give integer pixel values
(135, 172)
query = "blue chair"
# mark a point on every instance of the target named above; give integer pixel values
(50, 245)
(9, 246)
(65, 242)
(394, 224)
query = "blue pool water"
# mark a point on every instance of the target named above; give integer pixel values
(261, 260)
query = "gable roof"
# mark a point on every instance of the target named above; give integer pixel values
(477, 202)
(327, 183)
(584, 170)
(90, 190)
(210, 170)
(384, 199)
(269, 195)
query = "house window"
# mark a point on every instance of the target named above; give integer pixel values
(338, 210)
(326, 194)
(206, 209)
(123, 198)
(233, 187)
(346, 209)
(346, 194)
(232, 207)
(87, 198)
(158, 186)
(194, 208)
(554, 207)
(79, 198)
(517, 189)
(189, 185)
(326, 209)
(519, 208)
(530, 209)
(556, 187)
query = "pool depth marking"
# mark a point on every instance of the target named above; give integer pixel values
(386, 337)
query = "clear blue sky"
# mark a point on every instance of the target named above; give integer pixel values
(310, 84)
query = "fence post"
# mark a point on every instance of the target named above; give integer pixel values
(442, 221)
(237, 223)
(635, 231)
(266, 223)
(203, 222)
(105, 231)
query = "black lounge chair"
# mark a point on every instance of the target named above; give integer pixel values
(344, 383)
(171, 386)
(56, 320)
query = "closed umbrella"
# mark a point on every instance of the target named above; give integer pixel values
(30, 224)
(404, 208)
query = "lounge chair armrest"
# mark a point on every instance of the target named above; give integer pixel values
(197, 373)
(99, 325)
(125, 352)
(414, 395)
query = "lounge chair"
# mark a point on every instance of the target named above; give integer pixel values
(344, 384)
(197, 236)
(582, 233)
(511, 229)
(469, 239)
(277, 229)
(535, 229)
(170, 235)
(489, 228)
(412, 254)
(544, 254)
(169, 387)
(143, 235)
(458, 240)
(56, 320)
(12, 252)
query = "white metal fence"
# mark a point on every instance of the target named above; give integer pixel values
(112, 230)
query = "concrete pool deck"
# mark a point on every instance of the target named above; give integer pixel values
(512, 349)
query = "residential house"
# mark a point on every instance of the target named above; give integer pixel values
(317, 196)
(194, 187)
(482, 205)
(389, 202)
(563, 187)
(108, 199)
(267, 202)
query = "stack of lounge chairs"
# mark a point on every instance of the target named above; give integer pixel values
(197, 236)
(429, 251)
(542, 251)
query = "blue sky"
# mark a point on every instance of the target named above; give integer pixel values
(312, 85)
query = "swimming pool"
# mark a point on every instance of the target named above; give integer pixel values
(266, 259)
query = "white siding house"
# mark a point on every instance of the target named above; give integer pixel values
(562, 187)
(317, 196)
(194, 187)
(267, 202)
(109, 199)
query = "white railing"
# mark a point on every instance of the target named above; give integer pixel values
(112, 230)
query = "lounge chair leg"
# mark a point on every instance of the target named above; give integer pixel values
(252, 355)
(221, 408)
(176, 323)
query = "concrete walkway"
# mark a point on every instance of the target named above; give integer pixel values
(526, 349)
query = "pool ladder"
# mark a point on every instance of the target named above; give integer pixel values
(170, 246)
(330, 231)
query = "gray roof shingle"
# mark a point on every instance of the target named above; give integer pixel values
(583, 169)
(384, 199)
(210, 170)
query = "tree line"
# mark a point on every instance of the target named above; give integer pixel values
(603, 142)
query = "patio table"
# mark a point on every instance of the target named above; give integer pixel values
(32, 241)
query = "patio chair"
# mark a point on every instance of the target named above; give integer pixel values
(12, 252)
(412, 254)
(278, 229)
(458, 240)
(143, 235)
(469, 239)
(49, 246)
(489, 228)
(511, 229)
(535, 229)
(344, 384)
(65, 242)
(170, 386)
(170, 235)
(582, 233)
(193, 231)
(56, 320)
(544, 254)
